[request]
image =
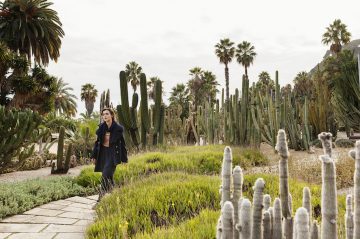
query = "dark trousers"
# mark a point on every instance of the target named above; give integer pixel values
(108, 170)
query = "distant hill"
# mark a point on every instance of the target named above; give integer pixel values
(353, 46)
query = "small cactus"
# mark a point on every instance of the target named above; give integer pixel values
(277, 227)
(349, 218)
(328, 199)
(282, 148)
(237, 182)
(355, 154)
(326, 140)
(306, 203)
(256, 231)
(267, 201)
(302, 230)
(267, 225)
(227, 221)
(226, 175)
(245, 219)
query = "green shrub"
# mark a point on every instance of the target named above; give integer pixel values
(21, 196)
(190, 159)
(345, 143)
(200, 227)
(159, 200)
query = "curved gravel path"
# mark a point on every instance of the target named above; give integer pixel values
(39, 173)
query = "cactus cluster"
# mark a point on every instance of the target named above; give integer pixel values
(62, 164)
(142, 122)
(259, 220)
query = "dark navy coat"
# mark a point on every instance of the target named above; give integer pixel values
(116, 144)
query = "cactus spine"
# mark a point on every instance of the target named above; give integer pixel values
(302, 230)
(245, 219)
(238, 182)
(267, 225)
(226, 175)
(256, 231)
(277, 227)
(349, 218)
(328, 199)
(355, 154)
(267, 201)
(227, 221)
(282, 149)
(306, 203)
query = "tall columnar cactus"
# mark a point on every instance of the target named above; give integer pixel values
(128, 115)
(243, 108)
(237, 182)
(314, 231)
(328, 199)
(227, 220)
(283, 151)
(226, 175)
(256, 231)
(306, 203)
(267, 225)
(62, 166)
(159, 113)
(349, 218)
(277, 227)
(145, 121)
(355, 154)
(245, 219)
(302, 230)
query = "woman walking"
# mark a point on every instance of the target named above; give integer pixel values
(109, 150)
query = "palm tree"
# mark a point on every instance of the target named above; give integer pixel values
(336, 35)
(64, 100)
(265, 83)
(180, 96)
(88, 94)
(30, 27)
(303, 86)
(133, 71)
(245, 54)
(210, 84)
(225, 52)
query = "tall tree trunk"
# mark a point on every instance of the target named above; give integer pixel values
(89, 105)
(246, 72)
(227, 85)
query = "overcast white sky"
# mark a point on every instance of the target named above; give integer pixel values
(169, 37)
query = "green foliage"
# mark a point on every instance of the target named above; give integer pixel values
(54, 123)
(19, 197)
(346, 89)
(189, 159)
(345, 143)
(18, 130)
(31, 28)
(170, 198)
(199, 227)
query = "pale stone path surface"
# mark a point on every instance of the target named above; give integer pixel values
(60, 219)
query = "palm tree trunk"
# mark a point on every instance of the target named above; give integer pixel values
(246, 73)
(89, 105)
(227, 85)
